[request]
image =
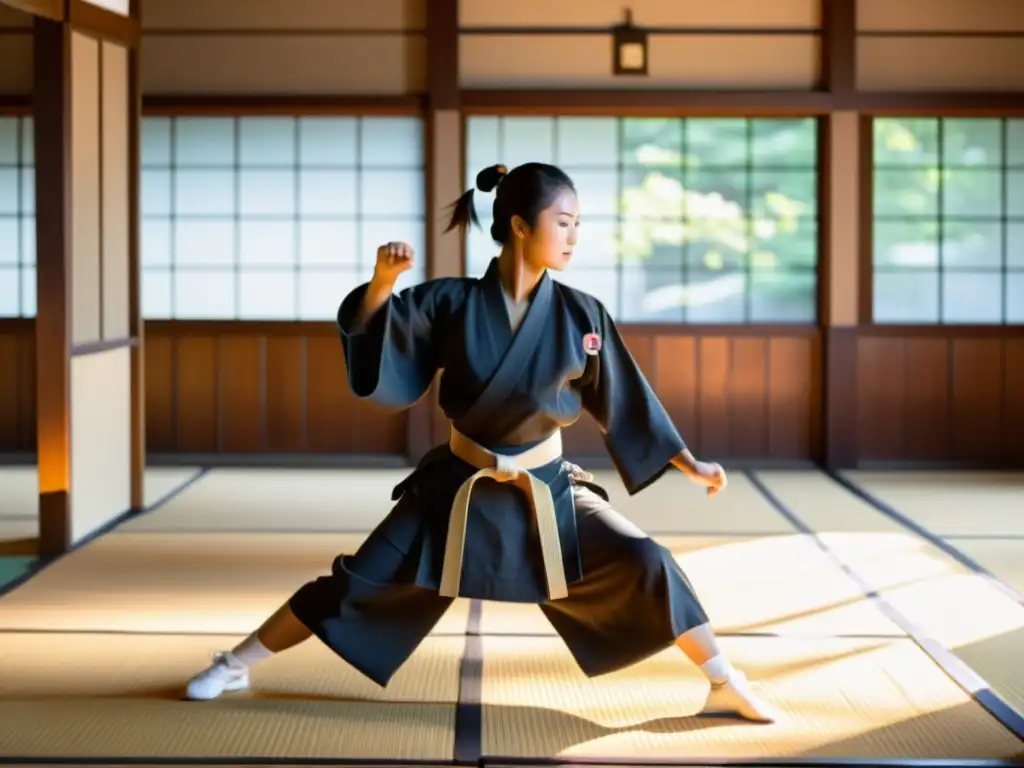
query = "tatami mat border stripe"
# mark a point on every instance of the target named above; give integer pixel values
(227, 762)
(933, 538)
(513, 763)
(971, 682)
(469, 715)
(124, 517)
(743, 762)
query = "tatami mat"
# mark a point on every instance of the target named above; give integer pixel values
(274, 500)
(982, 625)
(748, 585)
(952, 503)
(676, 505)
(179, 583)
(19, 488)
(356, 500)
(19, 502)
(840, 698)
(1003, 558)
(109, 696)
(824, 505)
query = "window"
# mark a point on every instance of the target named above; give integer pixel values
(274, 218)
(683, 220)
(17, 218)
(948, 220)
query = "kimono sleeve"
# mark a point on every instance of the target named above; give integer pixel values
(637, 430)
(392, 359)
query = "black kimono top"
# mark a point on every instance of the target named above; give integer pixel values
(507, 391)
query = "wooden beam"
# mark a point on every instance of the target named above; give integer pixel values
(44, 9)
(866, 260)
(586, 102)
(202, 105)
(136, 326)
(16, 105)
(98, 22)
(52, 60)
(443, 92)
(608, 30)
(647, 102)
(940, 103)
(839, 51)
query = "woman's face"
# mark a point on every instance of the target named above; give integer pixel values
(549, 243)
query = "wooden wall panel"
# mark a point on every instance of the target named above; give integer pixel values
(723, 14)
(536, 44)
(741, 394)
(17, 388)
(241, 389)
(977, 402)
(1013, 399)
(940, 16)
(275, 17)
(195, 392)
(285, 403)
(676, 384)
(676, 61)
(238, 389)
(961, 63)
(794, 397)
(921, 45)
(241, 384)
(16, 65)
(161, 419)
(925, 396)
(236, 47)
(938, 395)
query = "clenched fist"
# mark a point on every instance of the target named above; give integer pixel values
(392, 260)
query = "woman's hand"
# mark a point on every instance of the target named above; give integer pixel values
(392, 260)
(710, 475)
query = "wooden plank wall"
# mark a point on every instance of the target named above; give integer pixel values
(280, 388)
(928, 396)
(17, 386)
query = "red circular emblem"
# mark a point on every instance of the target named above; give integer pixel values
(591, 343)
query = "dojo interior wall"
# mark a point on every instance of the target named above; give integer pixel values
(100, 379)
(909, 393)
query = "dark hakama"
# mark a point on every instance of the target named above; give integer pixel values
(628, 599)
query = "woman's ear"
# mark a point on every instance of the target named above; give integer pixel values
(519, 228)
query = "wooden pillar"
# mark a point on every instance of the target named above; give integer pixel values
(444, 183)
(86, 134)
(840, 241)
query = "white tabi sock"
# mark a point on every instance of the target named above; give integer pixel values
(717, 669)
(251, 651)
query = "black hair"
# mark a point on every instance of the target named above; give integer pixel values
(524, 191)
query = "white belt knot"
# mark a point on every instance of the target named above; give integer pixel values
(506, 469)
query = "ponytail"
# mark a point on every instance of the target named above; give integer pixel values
(463, 210)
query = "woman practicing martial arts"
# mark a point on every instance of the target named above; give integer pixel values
(497, 513)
